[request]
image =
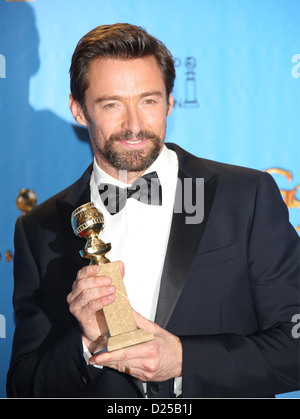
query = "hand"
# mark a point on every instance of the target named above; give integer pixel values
(157, 360)
(90, 293)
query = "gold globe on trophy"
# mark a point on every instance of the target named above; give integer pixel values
(116, 321)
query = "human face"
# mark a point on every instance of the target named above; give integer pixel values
(126, 106)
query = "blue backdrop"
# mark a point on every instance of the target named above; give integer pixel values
(236, 96)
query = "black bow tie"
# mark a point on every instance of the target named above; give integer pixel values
(146, 189)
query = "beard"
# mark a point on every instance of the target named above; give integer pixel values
(131, 160)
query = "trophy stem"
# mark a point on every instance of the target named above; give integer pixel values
(98, 259)
(96, 253)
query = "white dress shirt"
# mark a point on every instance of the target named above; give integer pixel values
(139, 233)
(139, 236)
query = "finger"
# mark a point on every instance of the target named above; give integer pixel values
(85, 272)
(87, 315)
(90, 270)
(91, 282)
(122, 357)
(83, 311)
(87, 283)
(102, 296)
(86, 279)
(140, 368)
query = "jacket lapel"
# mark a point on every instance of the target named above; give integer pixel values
(183, 242)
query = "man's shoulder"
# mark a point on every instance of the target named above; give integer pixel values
(48, 208)
(193, 165)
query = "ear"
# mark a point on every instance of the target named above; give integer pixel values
(77, 111)
(170, 106)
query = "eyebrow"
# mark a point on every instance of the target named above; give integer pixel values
(117, 97)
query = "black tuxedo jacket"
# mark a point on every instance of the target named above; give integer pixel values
(229, 290)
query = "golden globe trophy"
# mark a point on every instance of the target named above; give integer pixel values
(116, 322)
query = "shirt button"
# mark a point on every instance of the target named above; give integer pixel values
(154, 388)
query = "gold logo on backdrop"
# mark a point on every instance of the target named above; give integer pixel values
(288, 195)
(26, 200)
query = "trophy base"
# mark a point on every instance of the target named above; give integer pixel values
(124, 340)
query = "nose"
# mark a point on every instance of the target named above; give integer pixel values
(132, 120)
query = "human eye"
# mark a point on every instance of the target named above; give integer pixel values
(109, 106)
(149, 101)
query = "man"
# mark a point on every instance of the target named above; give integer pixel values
(218, 295)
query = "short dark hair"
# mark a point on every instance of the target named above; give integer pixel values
(120, 40)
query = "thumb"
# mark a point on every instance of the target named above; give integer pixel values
(143, 323)
(121, 267)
